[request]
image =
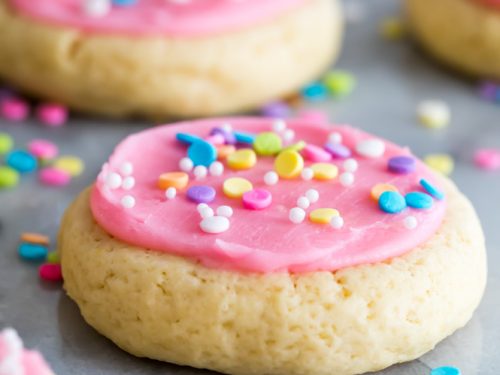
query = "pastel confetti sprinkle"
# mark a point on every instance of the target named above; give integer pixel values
(434, 114)
(43, 149)
(487, 159)
(50, 272)
(32, 252)
(446, 370)
(54, 177)
(391, 202)
(371, 148)
(378, 189)
(52, 114)
(178, 180)
(245, 138)
(338, 150)
(9, 177)
(215, 224)
(339, 83)
(418, 200)
(71, 164)
(289, 164)
(235, 187)
(267, 144)
(324, 171)
(21, 161)
(257, 199)
(201, 194)
(316, 154)
(14, 109)
(242, 159)
(401, 164)
(442, 163)
(6, 143)
(323, 215)
(431, 189)
(202, 153)
(187, 139)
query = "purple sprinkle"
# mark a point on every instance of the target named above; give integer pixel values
(338, 150)
(201, 194)
(488, 90)
(228, 135)
(275, 110)
(401, 164)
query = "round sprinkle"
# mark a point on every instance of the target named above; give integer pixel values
(434, 114)
(419, 200)
(9, 177)
(279, 126)
(6, 143)
(441, 163)
(201, 194)
(338, 150)
(215, 224)
(371, 148)
(346, 179)
(307, 174)
(312, 195)
(242, 159)
(299, 146)
(271, 178)
(316, 154)
(225, 211)
(14, 109)
(200, 207)
(187, 138)
(206, 212)
(446, 370)
(43, 149)
(323, 215)
(401, 164)
(113, 180)
(200, 172)
(202, 153)
(391, 202)
(267, 144)
(226, 135)
(296, 215)
(350, 165)
(337, 222)
(378, 189)
(235, 187)
(54, 177)
(178, 180)
(335, 137)
(128, 183)
(488, 158)
(227, 127)
(224, 151)
(96, 8)
(127, 201)
(257, 199)
(32, 237)
(246, 138)
(126, 169)
(50, 272)
(32, 252)
(288, 135)
(303, 203)
(276, 109)
(170, 193)
(324, 171)
(431, 189)
(289, 164)
(21, 161)
(410, 222)
(339, 83)
(71, 164)
(52, 114)
(216, 168)
(53, 257)
(186, 165)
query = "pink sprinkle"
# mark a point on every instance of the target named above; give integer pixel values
(257, 199)
(315, 153)
(50, 272)
(43, 149)
(53, 115)
(216, 139)
(54, 177)
(314, 115)
(487, 158)
(14, 109)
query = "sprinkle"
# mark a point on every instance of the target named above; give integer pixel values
(378, 189)
(50, 272)
(127, 201)
(14, 109)
(391, 202)
(178, 180)
(335, 137)
(401, 164)
(487, 158)
(271, 178)
(257, 199)
(442, 163)
(202, 153)
(200, 207)
(316, 154)
(201, 194)
(226, 133)
(242, 159)
(303, 203)
(216, 139)
(296, 215)
(279, 126)
(323, 215)
(434, 114)
(9, 177)
(35, 238)
(312, 195)
(350, 165)
(32, 252)
(216, 168)
(6, 143)
(186, 165)
(43, 149)
(200, 172)
(227, 127)
(410, 222)
(224, 151)
(206, 212)
(307, 174)
(128, 183)
(416, 199)
(243, 137)
(96, 8)
(337, 222)
(267, 144)
(314, 92)
(275, 109)
(170, 193)
(392, 28)
(214, 224)
(52, 114)
(299, 146)
(288, 135)
(487, 90)
(71, 164)
(435, 192)
(127, 168)
(446, 370)
(187, 138)
(225, 211)
(338, 150)
(235, 187)
(54, 177)
(346, 179)
(124, 2)
(53, 257)
(21, 161)
(339, 83)
(288, 164)
(324, 171)
(371, 148)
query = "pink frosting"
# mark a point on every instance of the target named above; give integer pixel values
(158, 17)
(262, 241)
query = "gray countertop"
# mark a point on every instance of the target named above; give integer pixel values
(392, 78)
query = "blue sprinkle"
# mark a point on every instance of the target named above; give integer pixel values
(391, 202)
(242, 137)
(21, 161)
(419, 200)
(435, 192)
(315, 92)
(32, 252)
(124, 2)
(446, 370)
(186, 138)
(202, 153)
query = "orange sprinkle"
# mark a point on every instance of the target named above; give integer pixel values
(178, 180)
(224, 151)
(35, 238)
(378, 189)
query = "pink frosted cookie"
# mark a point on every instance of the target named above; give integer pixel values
(166, 57)
(349, 260)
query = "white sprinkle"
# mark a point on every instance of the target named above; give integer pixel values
(225, 211)
(214, 224)
(126, 169)
(351, 165)
(200, 172)
(216, 168)
(128, 183)
(227, 127)
(297, 215)
(271, 178)
(201, 207)
(307, 174)
(371, 148)
(113, 180)
(170, 193)
(335, 137)
(11, 340)
(312, 195)
(128, 201)
(186, 165)
(96, 8)
(410, 222)
(288, 135)
(206, 212)
(434, 113)
(303, 203)
(346, 179)
(279, 126)
(337, 222)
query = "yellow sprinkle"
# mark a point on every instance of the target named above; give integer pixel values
(392, 28)
(242, 159)
(289, 164)
(378, 189)
(323, 215)
(267, 143)
(235, 187)
(296, 146)
(441, 163)
(70, 164)
(324, 171)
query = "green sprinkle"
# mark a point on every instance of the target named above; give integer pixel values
(9, 177)
(268, 143)
(53, 257)
(6, 143)
(339, 83)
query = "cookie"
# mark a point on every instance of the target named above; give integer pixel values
(189, 59)
(472, 45)
(289, 261)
